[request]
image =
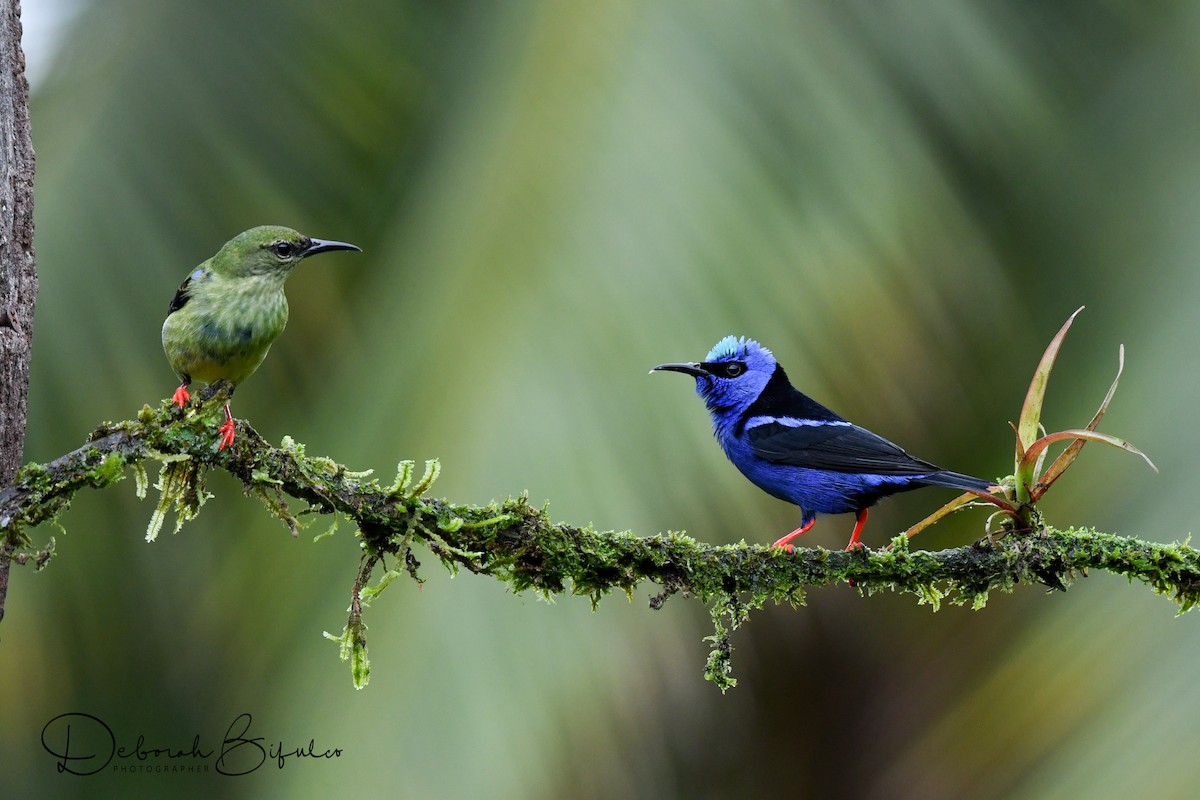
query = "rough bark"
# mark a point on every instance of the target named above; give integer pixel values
(18, 278)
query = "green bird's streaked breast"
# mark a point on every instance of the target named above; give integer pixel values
(222, 328)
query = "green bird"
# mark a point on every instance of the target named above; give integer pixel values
(230, 310)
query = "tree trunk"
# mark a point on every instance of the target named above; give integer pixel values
(18, 278)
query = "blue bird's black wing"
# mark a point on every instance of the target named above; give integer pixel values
(837, 447)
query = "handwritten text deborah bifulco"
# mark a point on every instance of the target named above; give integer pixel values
(84, 745)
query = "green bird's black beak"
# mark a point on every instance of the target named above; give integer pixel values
(326, 245)
(689, 368)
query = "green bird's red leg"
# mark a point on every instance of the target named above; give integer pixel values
(181, 396)
(803, 529)
(227, 430)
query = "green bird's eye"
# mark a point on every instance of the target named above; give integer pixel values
(282, 249)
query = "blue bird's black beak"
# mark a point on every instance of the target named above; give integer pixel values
(326, 245)
(689, 368)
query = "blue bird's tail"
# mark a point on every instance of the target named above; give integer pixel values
(956, 480)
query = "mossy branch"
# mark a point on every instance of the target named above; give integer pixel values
(518, 543)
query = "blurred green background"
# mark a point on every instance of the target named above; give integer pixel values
(904, 201)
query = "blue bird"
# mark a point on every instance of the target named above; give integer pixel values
(794, 448)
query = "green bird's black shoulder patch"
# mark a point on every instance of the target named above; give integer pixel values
(182, 295)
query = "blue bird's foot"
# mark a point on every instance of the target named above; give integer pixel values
(803, 529)
(859, 522)
(227, 430)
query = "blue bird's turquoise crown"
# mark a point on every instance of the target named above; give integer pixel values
(734, 347)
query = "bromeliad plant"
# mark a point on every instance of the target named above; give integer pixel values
(1017, 495)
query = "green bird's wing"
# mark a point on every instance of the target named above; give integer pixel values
(182, 295)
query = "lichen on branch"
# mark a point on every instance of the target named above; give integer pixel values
(519, 544)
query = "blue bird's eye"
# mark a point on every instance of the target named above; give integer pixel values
(282, 249)
(733, 369)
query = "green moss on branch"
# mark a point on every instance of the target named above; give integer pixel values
(519, 544)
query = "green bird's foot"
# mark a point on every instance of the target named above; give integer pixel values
(227, 430)
(181, 396)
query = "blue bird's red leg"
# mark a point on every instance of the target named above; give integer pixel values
(181, 396)
(226, 430)
(803, 529)
(859, 522)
